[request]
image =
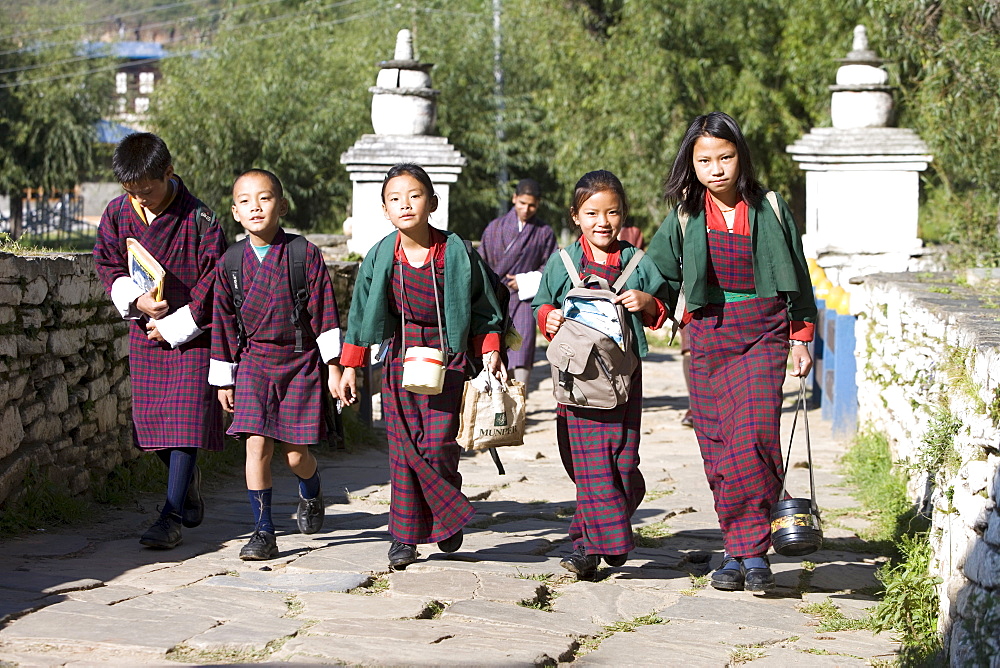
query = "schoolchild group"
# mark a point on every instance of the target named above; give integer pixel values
(248, 331)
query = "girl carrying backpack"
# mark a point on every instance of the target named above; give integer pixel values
(600, 446)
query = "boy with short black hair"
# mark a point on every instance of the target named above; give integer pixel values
(267, 348)
(174, 411)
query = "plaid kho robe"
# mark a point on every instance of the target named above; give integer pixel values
(509, 251)
(738, 354)
(600, 451)
(173, 406)
(427, 502)
(278, 391)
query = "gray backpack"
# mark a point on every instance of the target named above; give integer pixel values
(593, 353)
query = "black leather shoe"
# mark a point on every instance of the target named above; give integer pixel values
(194, 505)
(402, 555)
(579, 562)
(262, 546)
(615, 560)
(452, 543)
(310, 514)
(728, 579)
(758, 579)
(164, 534)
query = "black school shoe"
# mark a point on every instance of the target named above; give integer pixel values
(164, 534)
(402, 555)
(452, 543)
(758, 579)
(194, 505)
(310, 514)
(581, 563)
(262, 546)
(615, 560)
(729, 579)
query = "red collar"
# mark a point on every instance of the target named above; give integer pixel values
(438, 243)
(614, 254)
(715, 221)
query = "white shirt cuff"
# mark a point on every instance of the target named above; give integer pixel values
(178, 327)
(124, 292)
(329, 343)
(221, 374)
(527, 285)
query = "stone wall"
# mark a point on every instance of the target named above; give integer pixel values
(65, 398)
(65, 395)
(928, 357)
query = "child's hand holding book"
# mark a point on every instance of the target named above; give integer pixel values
(151, 306)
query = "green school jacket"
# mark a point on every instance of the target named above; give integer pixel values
(778, 262)
(468, 309)
(555, 284)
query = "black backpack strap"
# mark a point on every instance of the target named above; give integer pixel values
(232, 261)
(295, 254)
(204, 219)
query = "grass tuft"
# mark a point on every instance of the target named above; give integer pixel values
(373, 587)
(909, 605)
(651, 535)
(593, 642)
(910, 601)
(881, 488)
(832, 619)
(432, 610)
(745, 654)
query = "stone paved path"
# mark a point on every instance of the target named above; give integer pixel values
(94, 596)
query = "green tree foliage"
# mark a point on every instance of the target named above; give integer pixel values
(947, 59)
(282, 87)
(588, 84)
(50, 100)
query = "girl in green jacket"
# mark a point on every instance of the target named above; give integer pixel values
(736, 250)
(420, 287)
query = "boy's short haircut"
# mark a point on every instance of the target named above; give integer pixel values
(140, 156)
(270, 176)
(529, 187)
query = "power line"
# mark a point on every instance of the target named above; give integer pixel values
(190, 52)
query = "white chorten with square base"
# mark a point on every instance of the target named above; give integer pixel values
(862, 177)
(404, 112)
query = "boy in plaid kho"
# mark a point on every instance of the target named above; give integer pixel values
(414, 281)
(516, 246)
(278, 390)
(600, 448)
(174, 412)
(749, 302)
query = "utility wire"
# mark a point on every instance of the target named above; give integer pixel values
(190, 52)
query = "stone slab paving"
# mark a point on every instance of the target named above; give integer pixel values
(92, 596)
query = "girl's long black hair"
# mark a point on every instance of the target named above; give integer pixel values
(682, 184)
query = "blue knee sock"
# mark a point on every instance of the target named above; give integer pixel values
(755, 562)
(260, 504)
(733, 565)
(182, 461)
(309, 487)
